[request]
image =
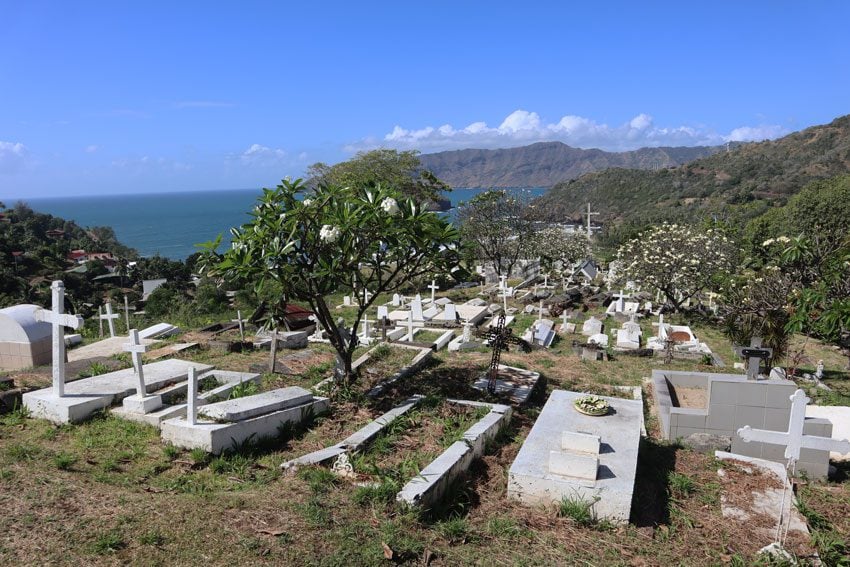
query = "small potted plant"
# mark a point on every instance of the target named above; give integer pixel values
(591, 405)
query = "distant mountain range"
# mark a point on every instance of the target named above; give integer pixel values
(546, 163)
(741, 183)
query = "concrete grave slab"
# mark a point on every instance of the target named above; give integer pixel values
(241, 409)
(88, 395)
(515, 383)
(532, 481)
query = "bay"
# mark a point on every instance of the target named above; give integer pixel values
(171, 224)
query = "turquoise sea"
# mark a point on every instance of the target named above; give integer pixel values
(170, 224)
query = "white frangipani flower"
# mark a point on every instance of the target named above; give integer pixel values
(390, 206)
(329, 233)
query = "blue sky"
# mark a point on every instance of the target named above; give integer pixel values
(111, 97)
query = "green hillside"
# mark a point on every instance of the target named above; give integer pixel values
(738, 184)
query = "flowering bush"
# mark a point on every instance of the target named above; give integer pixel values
(678, 260)
(558, 249)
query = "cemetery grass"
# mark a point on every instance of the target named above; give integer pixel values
(108, 492)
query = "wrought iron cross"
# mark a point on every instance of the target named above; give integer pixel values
(499, 338)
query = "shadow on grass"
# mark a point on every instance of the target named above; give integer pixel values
(650, 502)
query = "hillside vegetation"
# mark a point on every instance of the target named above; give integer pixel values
(546, 163)
(734, 186)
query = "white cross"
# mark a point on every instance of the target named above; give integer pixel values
(409, 325)
(433, 287)
(566, 316)
(58, 320)
(540, 312)
(366, 330)
(241, 322)
(503, 280)
(793, 438)
(588, 214)
(366, 296)
(192, 397)
(545, 281)
(108, 318)
(136, 348)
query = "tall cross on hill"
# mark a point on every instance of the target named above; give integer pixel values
(58, 319)
(588, 214)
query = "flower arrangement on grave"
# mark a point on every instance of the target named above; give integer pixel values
(592, 405)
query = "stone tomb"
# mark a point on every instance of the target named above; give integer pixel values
(84, 397)
(720, 404)
(220, 426)
(540, 333)
(569, 454)
(24, 342)
(515, 383)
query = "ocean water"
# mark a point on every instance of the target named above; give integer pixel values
(170, 224)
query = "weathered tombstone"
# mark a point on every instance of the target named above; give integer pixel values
(346, 301)
(450, 313)
(416, 310)
(396, 302)
(592, 326)
(57, 320)
(109, 317)
(753, 355)
(383, 312)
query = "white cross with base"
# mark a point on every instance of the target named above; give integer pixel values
(467, 331)
(503, 282)
(793, 438)
(192, 397)
(433, 287)
(240, 321)
(366, 296)
(136, 348)
(58, 320)
(108, 317)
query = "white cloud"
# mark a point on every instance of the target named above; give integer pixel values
(13, 157)
(92, 149)
(525, 127)
(147, 164)
(755, 133)
(258, 155)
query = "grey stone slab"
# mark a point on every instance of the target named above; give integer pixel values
(252, 406)
(530, 480)
(159, 330)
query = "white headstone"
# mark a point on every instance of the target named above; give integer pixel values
(450, 312)
(383, 312)
(592, 326)
(416, 309)
(58, 320)
(346, 300)
(396, 300)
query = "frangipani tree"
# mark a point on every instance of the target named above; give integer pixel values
(337, 239)
(559, 249)
(678, 260)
